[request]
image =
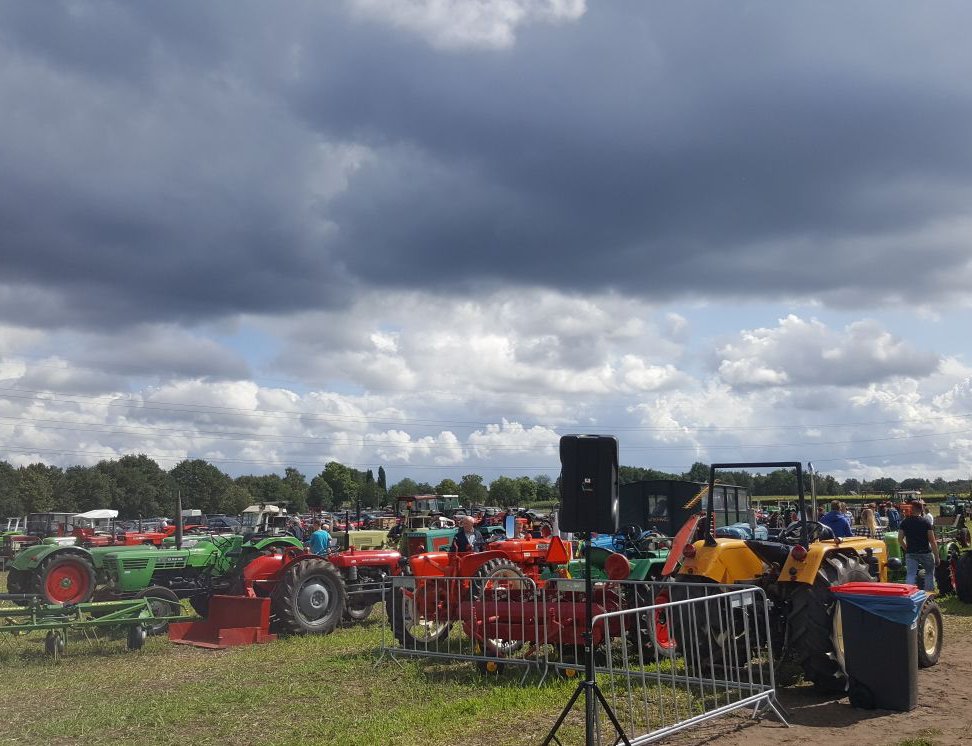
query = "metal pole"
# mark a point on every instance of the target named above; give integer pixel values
(178, 532)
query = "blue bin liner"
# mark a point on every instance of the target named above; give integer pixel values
(902, 609)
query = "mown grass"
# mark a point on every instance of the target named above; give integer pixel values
(321, 690)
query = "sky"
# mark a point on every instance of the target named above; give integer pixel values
(436, 235)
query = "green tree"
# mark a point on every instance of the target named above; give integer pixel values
(472, 491)
(10, 503)
(139, 487)
(504, 492)
(382, 479)
(546, 490)
(201, 485)
(404, 488)
(296, 487)
(447, 487)
(850, 485)
(320, 495)
(86, 488)
(343, 481)
(35, 489)
(235, 499)
(698, 473)
(527, 490)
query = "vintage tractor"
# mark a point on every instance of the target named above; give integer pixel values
(646, 553)
(37, 526)
(796, 572)
(424, 613)
(313, 594)
(194, 572)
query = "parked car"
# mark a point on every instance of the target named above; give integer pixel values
(224, 524)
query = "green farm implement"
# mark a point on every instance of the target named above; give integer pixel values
(26, 614)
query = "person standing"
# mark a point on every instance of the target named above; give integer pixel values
(928, 516)
(869, 522)
(319, 541)
(894, 517)
(836, 521)
(918, 542)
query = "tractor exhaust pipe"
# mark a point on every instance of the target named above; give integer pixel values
(178, 531)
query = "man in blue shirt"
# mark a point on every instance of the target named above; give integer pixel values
(319, 540)
(836, 521)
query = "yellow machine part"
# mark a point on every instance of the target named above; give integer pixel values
(729, 561)
(806, 571)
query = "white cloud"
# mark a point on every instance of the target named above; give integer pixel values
(463, 24)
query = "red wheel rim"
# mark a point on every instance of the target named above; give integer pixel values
(662, 637)
(66, 584)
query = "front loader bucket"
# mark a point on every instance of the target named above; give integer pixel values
(232, 621)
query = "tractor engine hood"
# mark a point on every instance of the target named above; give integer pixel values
(771, 552)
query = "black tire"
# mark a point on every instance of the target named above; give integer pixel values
(404, 625)
(653, 629)
(74, 565)
(136, 637)
(163, 602)
(696, 628)
(356, 614)
(929, 634)
(943, 578)
(200, 603)
(309, 599)
(18, 581)
(810, 623)
(963, 578)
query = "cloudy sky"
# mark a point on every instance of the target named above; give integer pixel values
(435, 235)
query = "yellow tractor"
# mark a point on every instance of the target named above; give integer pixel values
(796, 570)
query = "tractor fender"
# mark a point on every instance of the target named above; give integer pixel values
(643, 569)
(729, 561)
(263, 567)
(470, 562)
(282, 542)
(433, 564)
(31, 557)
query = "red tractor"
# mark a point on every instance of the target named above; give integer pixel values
(312, 594)
(444, 581)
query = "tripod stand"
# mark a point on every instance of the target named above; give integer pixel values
(588, 687)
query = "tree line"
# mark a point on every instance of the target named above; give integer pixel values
(137, 486)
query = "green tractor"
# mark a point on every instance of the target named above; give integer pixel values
(195, 573)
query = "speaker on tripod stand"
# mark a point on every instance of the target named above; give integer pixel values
(588, 504)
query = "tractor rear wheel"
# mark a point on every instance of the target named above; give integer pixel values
(499, 580)
(943, 577)
(309, 599)
(18, 581)
(163, 602)
(710, 635)
(810, 621)
(929, 634)
(963, 578)
(653, 627)
(65, 579)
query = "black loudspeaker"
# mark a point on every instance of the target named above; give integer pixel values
(588, 484)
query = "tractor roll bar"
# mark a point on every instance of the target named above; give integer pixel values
(801, 500)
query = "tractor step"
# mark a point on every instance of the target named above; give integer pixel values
(232, 621)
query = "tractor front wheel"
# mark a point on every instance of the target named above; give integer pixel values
(65, 579)
(18, 581)
(163, 602)
(309, 599)
(929, 634)
(355, 614)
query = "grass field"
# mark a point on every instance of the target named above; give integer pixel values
(310, 690)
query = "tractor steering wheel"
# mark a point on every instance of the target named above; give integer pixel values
(816, 531)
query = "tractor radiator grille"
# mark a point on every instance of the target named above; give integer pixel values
(170, 563)
(139, 563)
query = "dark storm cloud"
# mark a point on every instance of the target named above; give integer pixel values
(159, 161)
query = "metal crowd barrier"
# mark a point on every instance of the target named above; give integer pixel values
(667, 655)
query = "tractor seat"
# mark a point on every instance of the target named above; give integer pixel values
(770, 552)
